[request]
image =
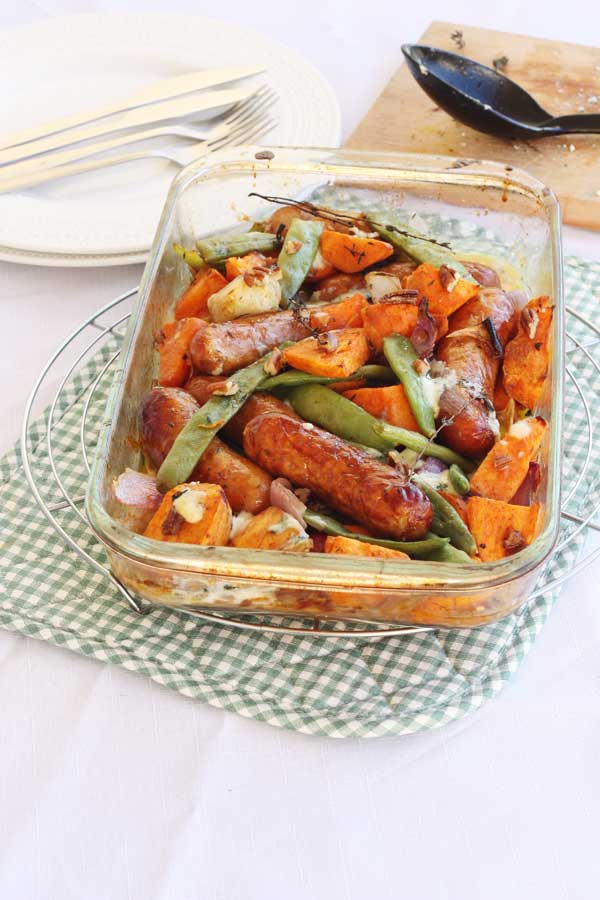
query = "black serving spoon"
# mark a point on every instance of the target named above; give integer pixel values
(485, 99)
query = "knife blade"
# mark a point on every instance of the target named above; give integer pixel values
(167, 89)
(152, 114)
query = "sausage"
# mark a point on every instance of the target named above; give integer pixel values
(335, 285)
(163, 413)
(499, 306)
(285, 214)
(398, 267)
(341, 475)
(468, 351)
(224, 347)
(246, 486)
(255, 406)
(202, 386)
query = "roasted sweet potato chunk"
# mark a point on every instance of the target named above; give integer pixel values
(274, 529)
(193, 513)
(194, 300)
(174, 339)
(527, 356)
(500, 529)
(337, 354)
(347, 313)
(237, 265)
(351, 547)
(387, 403)
(442, 288)
(507, 463)
(382, 319)
(350, 254)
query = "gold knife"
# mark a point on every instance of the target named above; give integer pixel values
(152, 114)
(166, 89)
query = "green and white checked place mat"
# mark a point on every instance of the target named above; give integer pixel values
(338, 688)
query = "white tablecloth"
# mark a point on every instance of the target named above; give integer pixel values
(111, 787)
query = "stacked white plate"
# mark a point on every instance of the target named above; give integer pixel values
(66, 65)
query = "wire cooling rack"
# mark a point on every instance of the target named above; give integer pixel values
(96, 332)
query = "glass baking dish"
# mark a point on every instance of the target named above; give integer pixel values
(485, 210)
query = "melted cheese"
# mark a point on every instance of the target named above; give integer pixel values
(520, 429)
(433, 388)
(239, 523)
(190, 506)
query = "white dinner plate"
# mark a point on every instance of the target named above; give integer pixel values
(65, 65)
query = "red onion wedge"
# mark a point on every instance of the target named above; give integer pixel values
(424, 333)
(283, 497)
(483, 275)
(137, 499)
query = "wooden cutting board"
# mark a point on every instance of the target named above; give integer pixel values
(564, 78)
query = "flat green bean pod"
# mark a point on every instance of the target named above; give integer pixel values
(216, 250)
(446, 521)
(420, 444)
(297, 255)
(295, 378)
(418, 549)
(196, 435)
(401, 355)
(400, 233)
(458, 479)
(319, 404)
(322, 406)
(449, 554)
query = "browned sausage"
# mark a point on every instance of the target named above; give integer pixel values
(285, 214)
(499, 306)
(254, 406)
(341, 283)
(342, 476)
(163, 413)
(246, 486)
(202, 386)
(469, 352)
(397, 267)
(225, 347)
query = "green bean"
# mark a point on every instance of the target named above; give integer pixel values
(193, 259)
(450, 554)
(412, 440)
(196, 435)
(408, 240)
(376, 454)
(297, 255)
(446, 521)
(319, 404)
(401, 355)
(217, 249)
(458, 479)
(419, 549)
(294, 378)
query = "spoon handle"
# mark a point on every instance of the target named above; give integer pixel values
(585, 124)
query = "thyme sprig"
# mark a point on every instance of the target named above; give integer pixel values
(346, 219)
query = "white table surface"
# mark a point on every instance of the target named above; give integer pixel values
(111, 787)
